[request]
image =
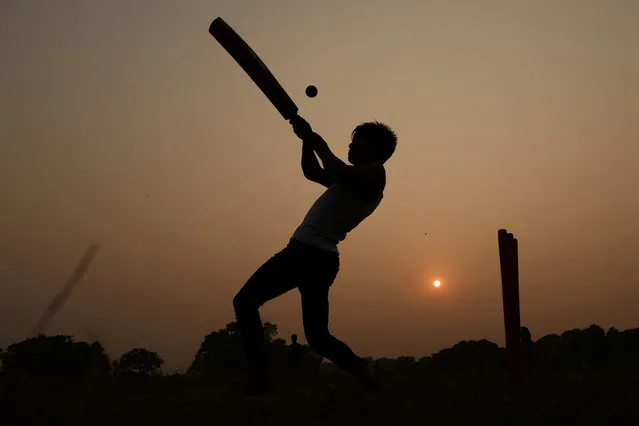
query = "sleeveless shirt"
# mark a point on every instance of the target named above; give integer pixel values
(333, 215)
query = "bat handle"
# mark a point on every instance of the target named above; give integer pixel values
(294, 118)
(297, 119)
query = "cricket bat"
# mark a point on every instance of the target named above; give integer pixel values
(254, 67)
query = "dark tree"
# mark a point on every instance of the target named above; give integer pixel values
(138, 362)
(623, 348)
(587, 349)
(54, 356)
(221, 352)
(405, 363)
(270, 330)
(470, 356)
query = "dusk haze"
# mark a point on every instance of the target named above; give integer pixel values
(124, 124)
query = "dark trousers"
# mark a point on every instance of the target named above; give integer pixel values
(310, 270)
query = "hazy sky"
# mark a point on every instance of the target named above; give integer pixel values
(124, 123)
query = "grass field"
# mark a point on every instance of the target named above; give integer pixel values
(594, 398)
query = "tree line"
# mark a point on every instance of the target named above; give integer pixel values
(220, 355)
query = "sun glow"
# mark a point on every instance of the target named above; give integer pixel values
(437, 283)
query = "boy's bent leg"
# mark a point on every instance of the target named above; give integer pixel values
(272, 279)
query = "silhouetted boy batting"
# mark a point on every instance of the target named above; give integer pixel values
(310, 261)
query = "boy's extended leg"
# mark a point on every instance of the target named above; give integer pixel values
(315, 308)
(272, 279)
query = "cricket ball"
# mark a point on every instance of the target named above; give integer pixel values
(311, 91)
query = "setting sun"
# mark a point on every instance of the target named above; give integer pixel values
(437, 283)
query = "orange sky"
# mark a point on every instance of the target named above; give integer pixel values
(125, 124)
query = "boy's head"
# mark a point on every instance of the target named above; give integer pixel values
(371, 142)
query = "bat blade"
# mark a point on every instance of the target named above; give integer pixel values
(254, 67)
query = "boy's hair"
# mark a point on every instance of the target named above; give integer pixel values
(379, 133)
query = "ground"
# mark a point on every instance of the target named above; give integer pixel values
(594, 398)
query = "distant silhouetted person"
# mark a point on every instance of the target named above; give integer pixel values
(294, 352)
(310, 261)
(526, 350)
